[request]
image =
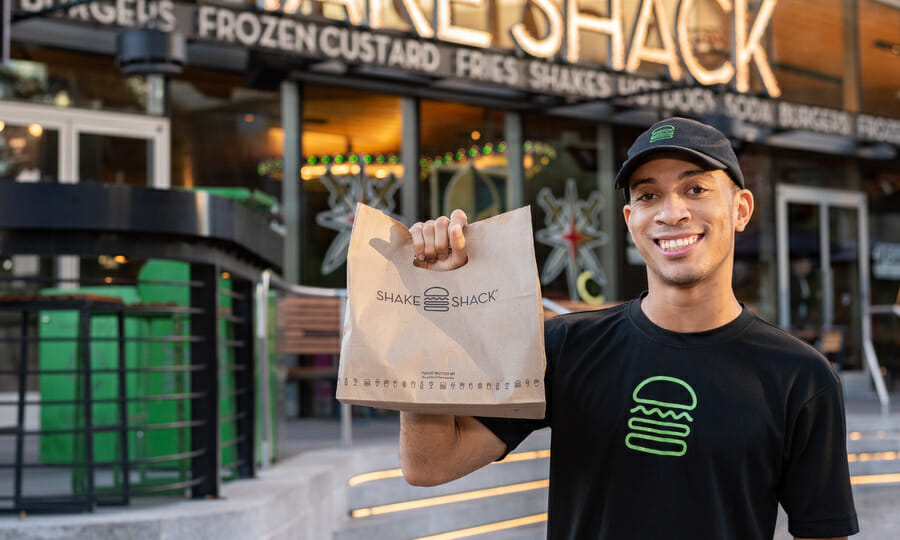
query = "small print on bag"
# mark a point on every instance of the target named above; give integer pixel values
(467, 342)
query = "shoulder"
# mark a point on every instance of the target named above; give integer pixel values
(573, 327)
(580, 321)
(796, 359)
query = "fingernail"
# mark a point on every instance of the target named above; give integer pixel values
(421, 256)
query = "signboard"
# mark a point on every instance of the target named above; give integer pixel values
(542, 66)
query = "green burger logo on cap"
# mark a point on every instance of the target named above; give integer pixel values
(662, 428)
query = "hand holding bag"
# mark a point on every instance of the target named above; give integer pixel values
(467, 342)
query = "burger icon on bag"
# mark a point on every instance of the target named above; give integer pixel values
(660, 419)
(436, 299)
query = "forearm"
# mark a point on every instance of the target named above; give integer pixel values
(435, 449)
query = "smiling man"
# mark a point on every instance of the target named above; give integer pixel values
(677, 415)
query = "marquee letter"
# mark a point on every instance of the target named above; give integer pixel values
(446, 31)
(720, 75)
(611, 26)
(639, 51)
(541, 48)
(747, 47)
(354, 14)
(415, 18)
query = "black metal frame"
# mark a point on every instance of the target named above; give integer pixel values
(119, 220)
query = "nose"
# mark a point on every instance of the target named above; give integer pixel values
(673, 210)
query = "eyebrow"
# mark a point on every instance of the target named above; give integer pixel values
(681, 176)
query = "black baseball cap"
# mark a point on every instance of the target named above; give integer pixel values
(702, 143)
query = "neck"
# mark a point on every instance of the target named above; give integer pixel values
(691, 309)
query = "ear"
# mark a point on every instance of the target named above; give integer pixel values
(626, 211)
(743, 209)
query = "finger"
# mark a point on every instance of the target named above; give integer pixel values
(428, 237)
(418, 241)
(456, 232)
(441, 237)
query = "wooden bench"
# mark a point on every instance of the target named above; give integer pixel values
(310, 326)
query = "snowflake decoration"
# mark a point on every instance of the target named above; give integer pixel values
(573, 233)
(343, 194)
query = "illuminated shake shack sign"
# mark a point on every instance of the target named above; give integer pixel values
(567, 25)
(659, 34)
(398, 35)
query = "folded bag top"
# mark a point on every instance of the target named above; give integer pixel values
(467, 341)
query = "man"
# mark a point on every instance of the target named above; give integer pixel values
(678, 415)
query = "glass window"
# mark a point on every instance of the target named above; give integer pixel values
(754, 278)
(224, 134)
(67, 79)
(463, 159)
(351, 153)
(113, 160)
(28, 153)
(566, 204)
(879, 49)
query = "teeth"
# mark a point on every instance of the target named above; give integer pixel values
(669, 245)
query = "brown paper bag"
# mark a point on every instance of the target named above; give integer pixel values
(467, 342)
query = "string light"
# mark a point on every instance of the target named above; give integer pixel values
(536, 152)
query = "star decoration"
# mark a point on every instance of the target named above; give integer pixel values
(343, 194)
(573, 232)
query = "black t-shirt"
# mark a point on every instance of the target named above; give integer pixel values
(661, 435)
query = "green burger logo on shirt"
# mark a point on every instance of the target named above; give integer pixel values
(662, 428)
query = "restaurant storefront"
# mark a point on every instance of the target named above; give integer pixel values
(419, 107)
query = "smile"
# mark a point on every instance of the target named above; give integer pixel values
(675, 244)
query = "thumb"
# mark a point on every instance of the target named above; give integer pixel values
(458, 222)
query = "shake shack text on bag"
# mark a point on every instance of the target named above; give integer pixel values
(468, 341)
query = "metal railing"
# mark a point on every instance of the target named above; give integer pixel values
(115, 399)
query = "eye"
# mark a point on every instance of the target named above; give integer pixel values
(697, 190)
(643, 197)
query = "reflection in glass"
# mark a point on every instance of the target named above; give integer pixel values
(28, 153)
(351, 147)
(463, 159)
(113, 160)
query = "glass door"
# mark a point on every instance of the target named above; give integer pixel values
(823, 274)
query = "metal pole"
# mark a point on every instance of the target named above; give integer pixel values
(84, 323)
(409, 157)
(612, 215)
(825, 267)
(123, 407)
(20, 413)
(781, 243)
(515, 167)
(262, 366)
(291, 182)
(346, 409)
(862, 217)
(205, 467)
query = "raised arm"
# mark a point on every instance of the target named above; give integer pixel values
(438, 448)
(435, 449)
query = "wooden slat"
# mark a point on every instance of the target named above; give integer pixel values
(308, 325)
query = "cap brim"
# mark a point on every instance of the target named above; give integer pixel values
(635, 161)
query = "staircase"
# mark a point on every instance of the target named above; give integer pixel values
(504, 500)
(508, 500)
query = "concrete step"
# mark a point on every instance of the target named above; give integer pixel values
(390, 490)
(394, 490)
(873, 443)
(537, 531)
(410, 524)
(875, 466)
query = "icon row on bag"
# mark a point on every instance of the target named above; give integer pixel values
(441, 385)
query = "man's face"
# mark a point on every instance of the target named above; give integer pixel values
(683, 219)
